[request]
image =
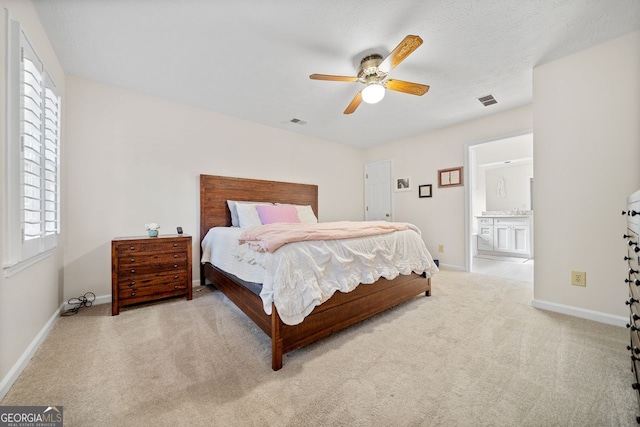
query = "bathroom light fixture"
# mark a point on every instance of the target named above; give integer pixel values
(373, 93)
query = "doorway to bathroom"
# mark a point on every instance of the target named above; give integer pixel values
(500, 208)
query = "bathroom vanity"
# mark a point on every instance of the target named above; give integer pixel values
(506, 233)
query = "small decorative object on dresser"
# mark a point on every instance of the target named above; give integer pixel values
(632, 257)
(149, 268)
(152, 228)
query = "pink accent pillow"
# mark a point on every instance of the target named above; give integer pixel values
(282, 213)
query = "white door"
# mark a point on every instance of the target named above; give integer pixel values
(377, 191)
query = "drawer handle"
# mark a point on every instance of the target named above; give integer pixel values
(175, 265)
(175, 287)
(175, 277)
(635, 281)
(629, 326)
(175, 255)
(631, 243)
(132, 283)
(132, 247)
(630, 213)
(635, 386)
(626, 258)
(632, 271)
(631, 301)
(133, 270)
(635, 349)
(175, 245)
(133, 294)
(133, 260)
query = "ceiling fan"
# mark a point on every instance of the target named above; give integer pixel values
(373, 73)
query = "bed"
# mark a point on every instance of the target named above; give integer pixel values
(340, 311)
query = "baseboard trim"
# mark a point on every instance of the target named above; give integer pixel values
(21, 363)
(102, 299)
(452, 267)
(581, 312)
(106, 299)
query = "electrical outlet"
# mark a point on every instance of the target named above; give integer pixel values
(578, 278)
(441, 249)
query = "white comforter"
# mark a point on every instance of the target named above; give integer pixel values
(300, 276)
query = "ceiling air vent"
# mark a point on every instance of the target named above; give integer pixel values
(487, 100)
(298, 121)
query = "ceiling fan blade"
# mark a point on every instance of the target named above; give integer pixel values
(406, 87)
(333, 78)
(354, 103)
(404, 49)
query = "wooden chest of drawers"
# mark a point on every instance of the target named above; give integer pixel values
(149, 268)
(632, 256)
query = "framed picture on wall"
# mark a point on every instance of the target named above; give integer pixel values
(424, 190)
(451, 177)
(403, 184)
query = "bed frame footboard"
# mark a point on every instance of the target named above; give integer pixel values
(339, 312)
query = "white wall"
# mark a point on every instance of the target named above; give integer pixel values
(132, 159)
(586, 152)
(31, 297)
(493, 154)
(515, 147)
(516, 179)
(442, 217)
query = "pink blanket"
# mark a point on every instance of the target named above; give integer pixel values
(268, 238)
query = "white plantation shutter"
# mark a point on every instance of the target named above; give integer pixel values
(32, 120)
(40, 129)
(51, 156)
(33, 160)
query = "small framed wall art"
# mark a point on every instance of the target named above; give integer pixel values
(424, 190)
(403, 184)
(451, 177)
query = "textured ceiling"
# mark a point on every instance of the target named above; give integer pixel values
(252, 59)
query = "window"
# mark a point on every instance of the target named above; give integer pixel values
(33, 154)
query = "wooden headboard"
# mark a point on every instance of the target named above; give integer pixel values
(216, 190)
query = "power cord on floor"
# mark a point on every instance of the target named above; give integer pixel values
(85, 300)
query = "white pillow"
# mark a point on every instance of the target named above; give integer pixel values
(305, 213)
(234, 211)
(248, 214)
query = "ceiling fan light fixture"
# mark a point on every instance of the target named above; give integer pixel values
(373, 93)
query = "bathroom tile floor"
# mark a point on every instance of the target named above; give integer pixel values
(511, 268)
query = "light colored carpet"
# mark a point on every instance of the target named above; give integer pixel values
(473, 354)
